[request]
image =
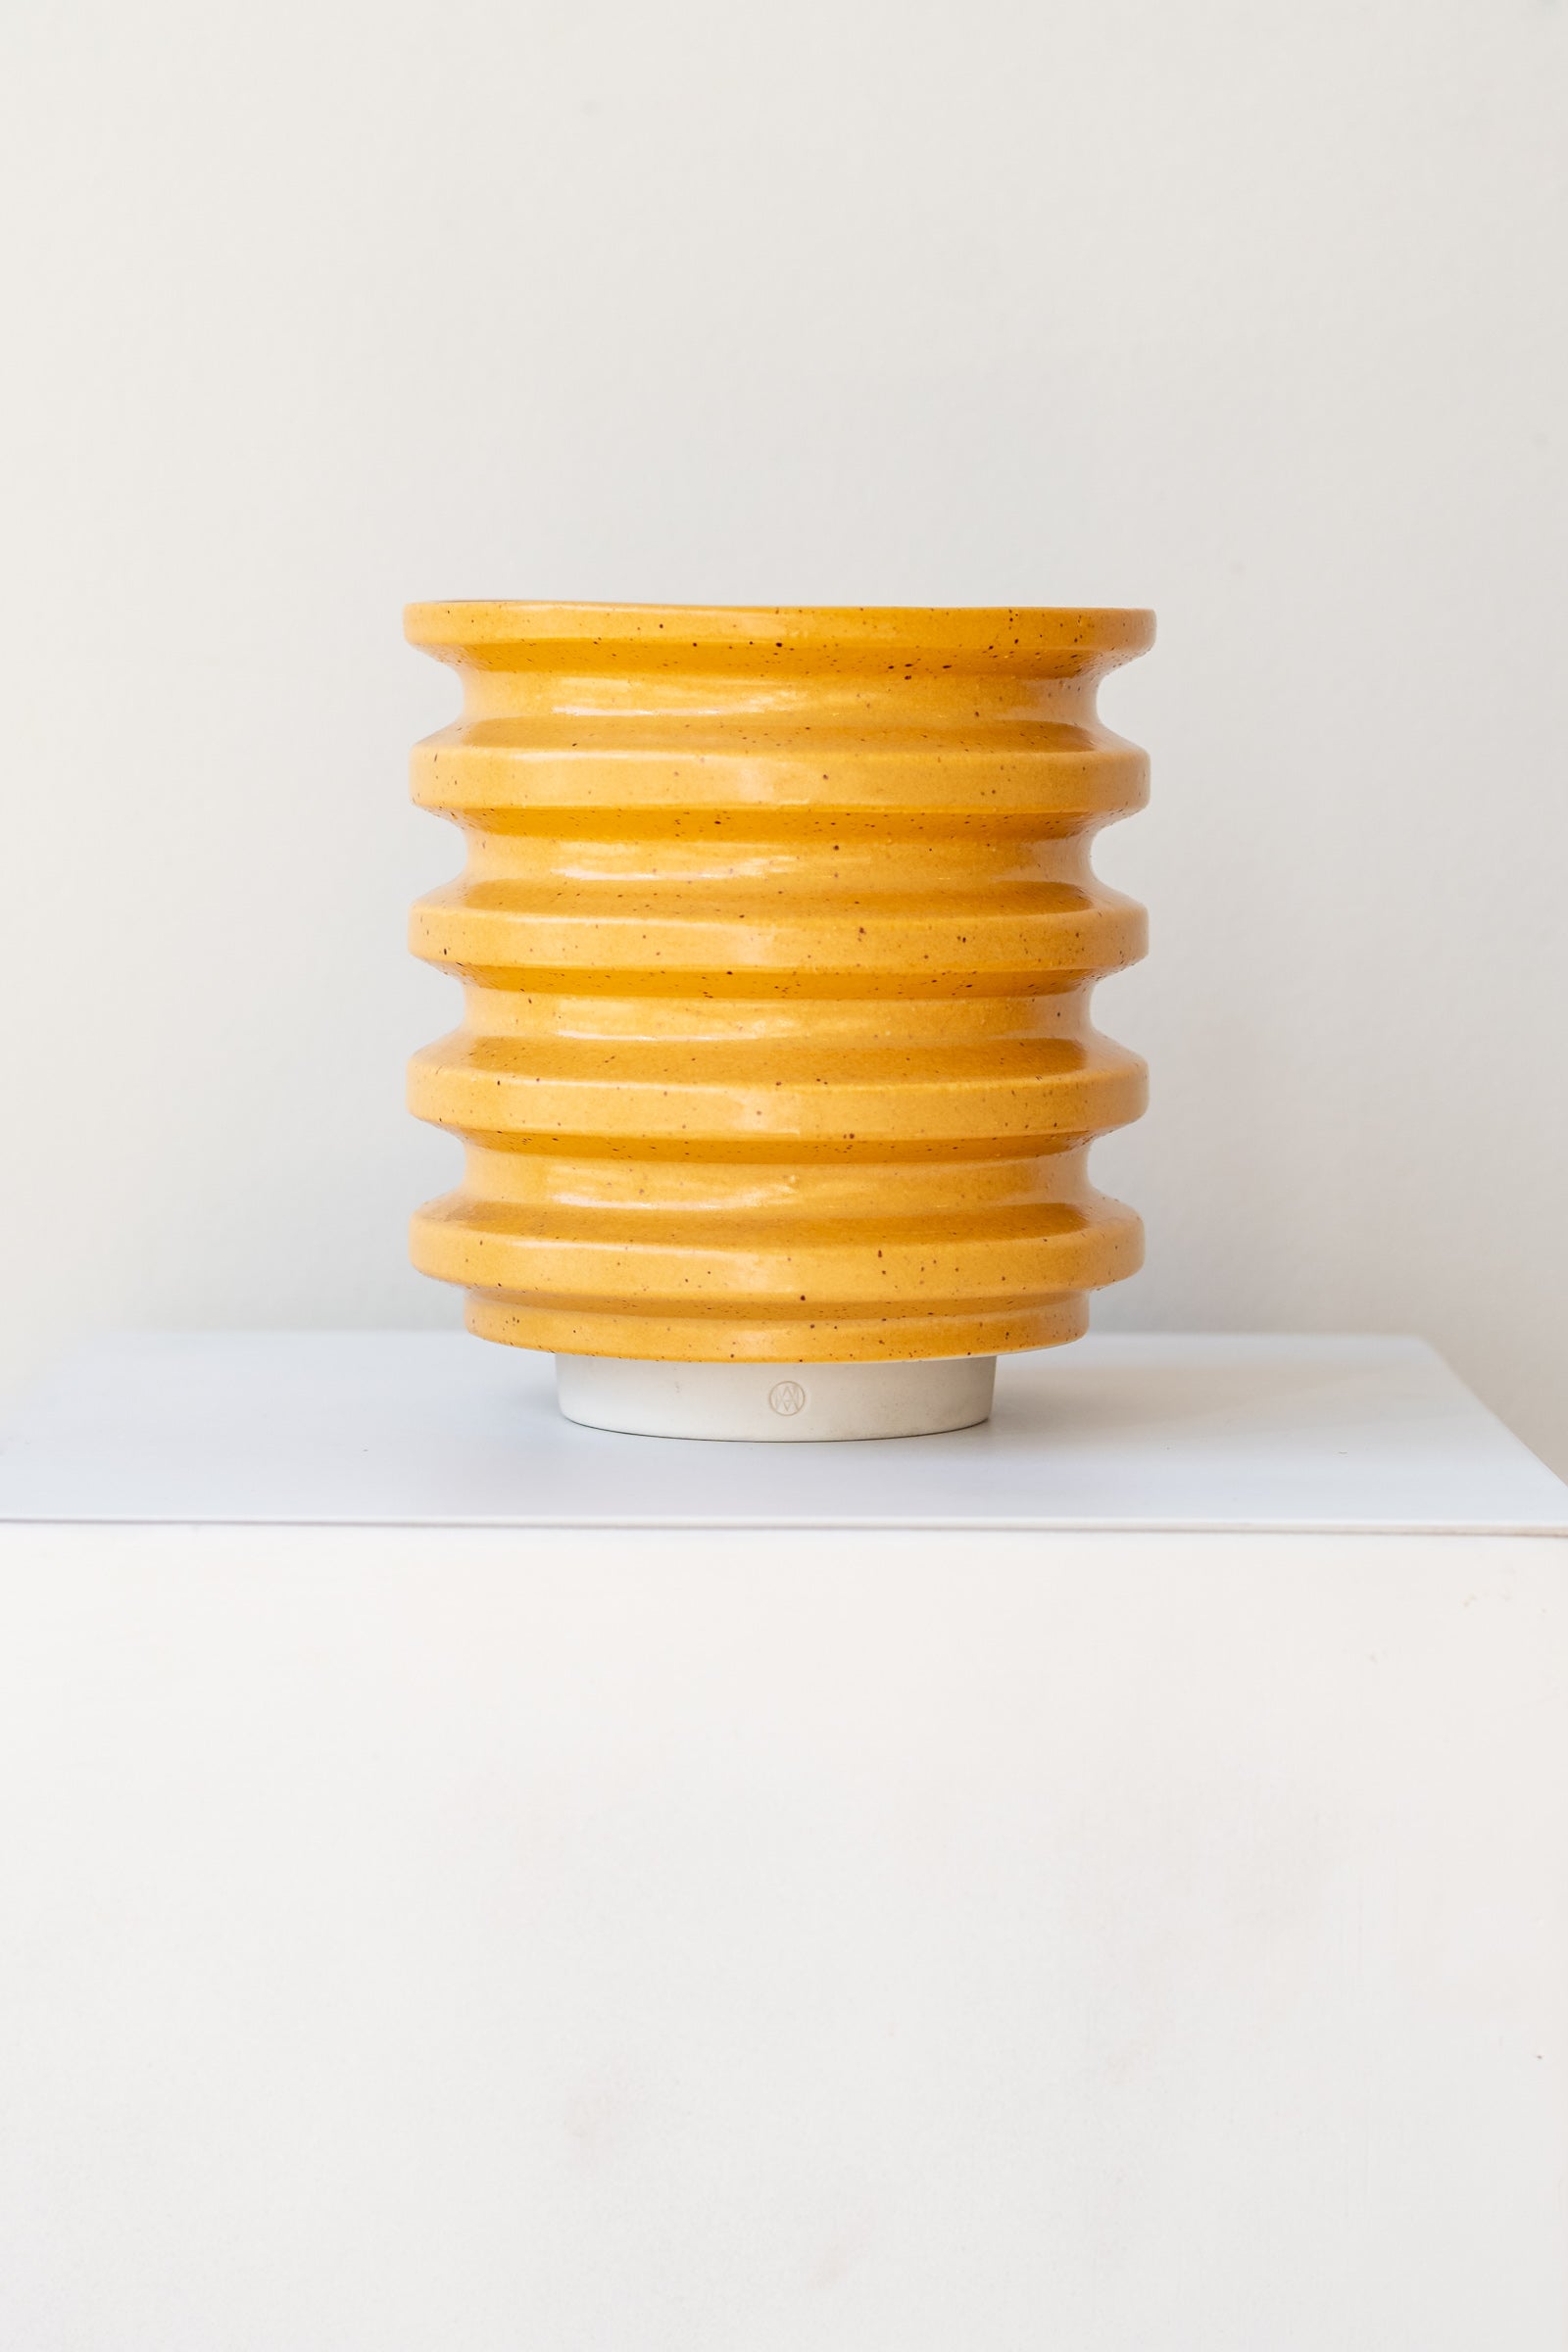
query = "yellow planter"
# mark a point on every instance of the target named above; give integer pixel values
(777, 934)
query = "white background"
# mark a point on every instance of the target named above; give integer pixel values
(1245, 310)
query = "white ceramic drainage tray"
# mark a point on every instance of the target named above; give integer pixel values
(796, 1402)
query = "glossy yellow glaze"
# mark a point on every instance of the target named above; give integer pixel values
(777, 933)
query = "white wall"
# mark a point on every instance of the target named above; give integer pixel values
(1247, 310)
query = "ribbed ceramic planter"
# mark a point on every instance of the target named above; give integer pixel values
(777, 934)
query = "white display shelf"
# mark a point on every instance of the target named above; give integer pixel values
(1100, 1881)
(435, 1428)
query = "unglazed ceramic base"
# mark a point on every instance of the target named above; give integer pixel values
(799, 1402)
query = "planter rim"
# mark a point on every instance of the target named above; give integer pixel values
(1019, 638)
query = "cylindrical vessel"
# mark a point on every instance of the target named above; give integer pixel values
(777, 934)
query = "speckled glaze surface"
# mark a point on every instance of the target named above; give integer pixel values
(777, 934)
